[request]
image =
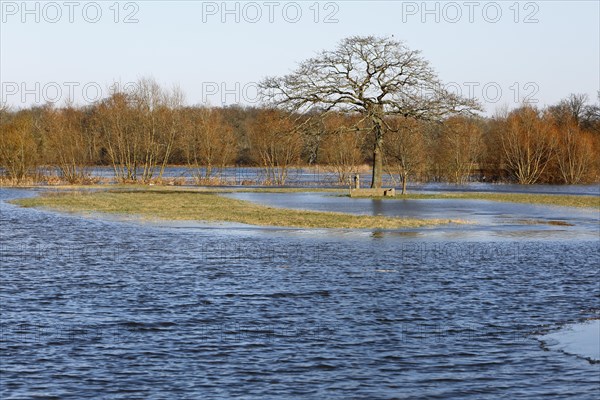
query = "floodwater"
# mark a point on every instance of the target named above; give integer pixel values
(119, 309)
(486, 219)
(321, 177)
(580, 339)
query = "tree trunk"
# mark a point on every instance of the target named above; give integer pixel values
(404, 179)
(377, 158)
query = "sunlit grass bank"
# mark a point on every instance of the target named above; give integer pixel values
(210, 207)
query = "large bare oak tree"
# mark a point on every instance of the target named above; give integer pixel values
(375, 77)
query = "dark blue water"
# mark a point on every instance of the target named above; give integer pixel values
(94, 308)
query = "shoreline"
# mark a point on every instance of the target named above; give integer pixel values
(560, 200)
(209, 206)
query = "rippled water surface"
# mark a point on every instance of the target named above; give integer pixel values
(102, 308)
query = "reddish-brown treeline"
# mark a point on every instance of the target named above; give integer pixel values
(139, 135)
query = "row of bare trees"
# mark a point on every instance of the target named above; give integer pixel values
(398, 96)
(543, 146)
(138, 130)
(370, 99)
(139, 134)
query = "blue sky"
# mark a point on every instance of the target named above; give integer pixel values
(500, 52)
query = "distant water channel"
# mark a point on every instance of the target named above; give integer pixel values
(94, 307)
(321, 177)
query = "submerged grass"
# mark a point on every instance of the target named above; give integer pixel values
(210, 207)
(528, 198)
(583, 201)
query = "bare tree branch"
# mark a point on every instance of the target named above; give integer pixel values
(373, 76)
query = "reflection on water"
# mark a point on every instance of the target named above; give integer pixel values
(580, 339)
(402, 234)
(91, 307)
(486, 218)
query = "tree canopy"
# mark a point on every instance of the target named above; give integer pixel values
(376, 77)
